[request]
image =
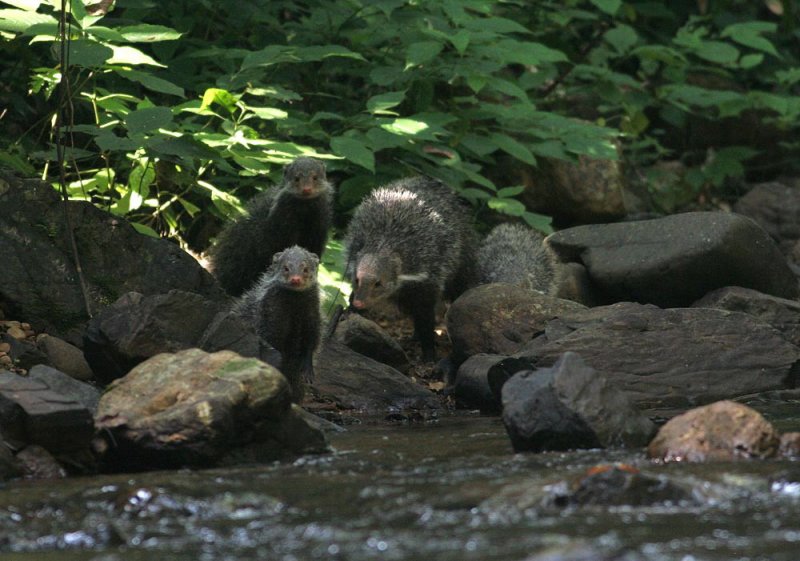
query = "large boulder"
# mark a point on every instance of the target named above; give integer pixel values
(710, 354)
(40, 280)
(781, 313)
(570, 406)
(724, 430)
(500, 318)
(193, 408)
(354, 381)
(137, 327)
(775, 207)
(675, 260)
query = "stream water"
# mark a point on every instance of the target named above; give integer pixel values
(449, 490)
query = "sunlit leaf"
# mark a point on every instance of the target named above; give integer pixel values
(147, 33)
(380, 104)
(148, 119)
(131, 55)
(354, 150)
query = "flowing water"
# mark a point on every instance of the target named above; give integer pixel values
(449, 490)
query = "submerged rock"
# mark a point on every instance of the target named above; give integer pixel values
(570, 406)
(675, 260)
(193, 408)
(724, 430)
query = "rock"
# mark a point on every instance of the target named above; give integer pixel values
(570, 406)
(724, 430)
(713, 354)
(64, 357)
(16, 333)
(366, 337)
(10, 467)
(675, 260)
(473, 388)
(115, 259)
(85, 394)
(780, 313)
(23, 353)
(227, 331)
(32, 413)
(499, 319)
(137, 327)
(193, 408)
(354, 381)
(622, 485)
(790, 445)
(776, 208)
(38, 463)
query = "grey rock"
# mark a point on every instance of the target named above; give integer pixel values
(10, 467)
(38, 463)
(775, 206)
(712, 354)
(500, 319)
(366, 337)
(675, 260)
(69, 387)
(570, 406)
(114, 257)
(354, 381)
(473, 386)
(64, 357)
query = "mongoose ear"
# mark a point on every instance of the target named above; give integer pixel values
(314, 258)
(277, 256)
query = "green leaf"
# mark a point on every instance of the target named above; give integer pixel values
(749, 35)
(146, 230)
(380, 104)
(460, 41)
(222, 97)
(321, 52)
(622, 38)
(422, 52)
(89, 53)
(184, 147)
(109, 142)
(29, 5)
(528, 52)
(20, 20)
(610, 7)
(148, 119)
(146, 33)
(131, 55)
(407, 127)
(274, 54)
(496, 25)
(513, 147)
(268, 113)
(506, 192)
(151, 82)
(718, 52)
(511, 207)
(538, 221)
(354, 150)
(751, 60)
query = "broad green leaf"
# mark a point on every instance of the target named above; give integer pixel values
(749, 35)
(460, 41)
(109, 142)
(700, 97)
(148, 119)
(659, 53)
(380, 104)
(610, 7)
(718, 52)
(422, 52)
(550, 149)
(751, 60)
(496, 24)
(268, 113)
(511, 207)
(508, 87)
(274, 54)
(475, 194)
(146, 33)
(354, 150)
(151, 82)
(29, 5)
(513, 147)
(89, 53)
(380, 139)
(131, 55)
(105, 33)
(42, 32)
(184, 147)
(506, 192)
(146, 230)
(407, 127)
(222, 97)
(321, 52)
(527, 52)
(538, 221)
(622, 38)
(20, 20)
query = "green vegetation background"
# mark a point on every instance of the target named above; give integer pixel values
(179, 111)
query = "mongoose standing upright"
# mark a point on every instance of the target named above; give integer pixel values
(411, 242)
(283, 306)
(515, 254)
(298, 212)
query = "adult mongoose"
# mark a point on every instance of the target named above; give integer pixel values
(297, 212)
(515, 254)
(411, 242)
(283, 307)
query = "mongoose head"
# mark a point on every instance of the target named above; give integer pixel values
(296, 268)
(377, 276)
(305, 178)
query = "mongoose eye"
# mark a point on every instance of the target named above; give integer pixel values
(378, 284)
(286, 268)
(313, 177)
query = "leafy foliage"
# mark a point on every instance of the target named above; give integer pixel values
(183, 108)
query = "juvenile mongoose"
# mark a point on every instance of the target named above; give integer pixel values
(283, 306)
(298, 212)
(515, 254)
(411, 242)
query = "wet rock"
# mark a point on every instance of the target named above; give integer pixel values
(675, 260)
(499, 319)
(67, 386)
(64, 357)
(366, 337)
(713, 354)
(38, 463)
(137, 327)
(570, 406)
(775, 207)
(10, 467)
(781, 313)
(32, 413)
(622, 485)
(193, 408)
(790, 445)
(724, 430)
(115, 259)
(473, 387)
(354, 381)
